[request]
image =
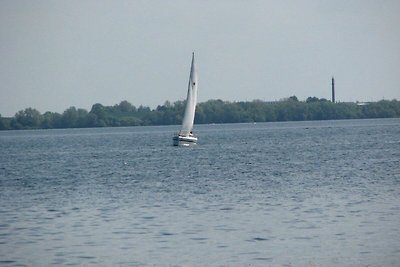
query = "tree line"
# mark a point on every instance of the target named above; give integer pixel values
(212, 111)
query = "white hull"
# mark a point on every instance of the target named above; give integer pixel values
(184, 140)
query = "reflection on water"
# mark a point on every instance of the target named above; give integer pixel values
(291, 194)
(186, 144)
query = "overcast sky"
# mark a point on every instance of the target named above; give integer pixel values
(57, 54)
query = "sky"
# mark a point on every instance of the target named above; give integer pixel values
(58, 54)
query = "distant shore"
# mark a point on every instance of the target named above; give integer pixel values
(212, 111)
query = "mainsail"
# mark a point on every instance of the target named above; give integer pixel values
(191, 100)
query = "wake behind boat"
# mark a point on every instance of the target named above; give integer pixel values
(185, 135)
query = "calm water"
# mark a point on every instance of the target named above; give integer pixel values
(268, 194)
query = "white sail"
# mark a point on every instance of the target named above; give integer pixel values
(191, 100)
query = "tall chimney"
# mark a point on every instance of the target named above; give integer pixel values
(333, 90)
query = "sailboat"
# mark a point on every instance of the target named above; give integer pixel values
(185, 135)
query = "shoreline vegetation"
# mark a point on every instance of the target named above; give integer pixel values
(212, 111)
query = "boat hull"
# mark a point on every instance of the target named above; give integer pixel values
(179, 140)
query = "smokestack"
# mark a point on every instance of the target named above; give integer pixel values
(333, 90)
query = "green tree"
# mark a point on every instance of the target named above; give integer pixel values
(82, 120)
(312, 99)
(101, 115)
(212, 111)
(3, 123)
(29, 118)
(125, 106)
(51, 120)
(74, 118)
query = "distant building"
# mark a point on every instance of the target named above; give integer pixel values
(362, 103)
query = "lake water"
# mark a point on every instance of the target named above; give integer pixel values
(323, 193)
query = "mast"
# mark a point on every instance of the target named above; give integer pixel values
(333, 89)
